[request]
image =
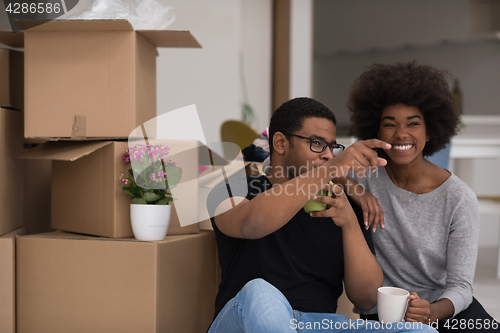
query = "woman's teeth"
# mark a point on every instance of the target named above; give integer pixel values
(405, 147)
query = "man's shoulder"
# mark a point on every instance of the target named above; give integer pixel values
(257, 184)
(260, 179)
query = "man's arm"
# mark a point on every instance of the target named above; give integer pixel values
(272, 209)
(265, 213)
(362, 273)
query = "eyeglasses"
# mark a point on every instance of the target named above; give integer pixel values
(319, 146)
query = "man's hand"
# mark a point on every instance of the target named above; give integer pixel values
(358, 157)
(339, 208)
(419, 310)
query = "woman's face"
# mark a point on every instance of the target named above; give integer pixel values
(403, 127)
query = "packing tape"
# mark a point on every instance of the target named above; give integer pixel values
(79, 131)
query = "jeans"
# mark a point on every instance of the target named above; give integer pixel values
(260, 307)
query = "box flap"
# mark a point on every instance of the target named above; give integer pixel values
(12, 39)
(13, 234)
(74, 236)
(170, 38)
(76, 25)
(8, 281)
(160, 38)
(63, 150)
(58, 234)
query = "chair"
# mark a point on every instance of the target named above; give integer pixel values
(238, 132)
(442, 157)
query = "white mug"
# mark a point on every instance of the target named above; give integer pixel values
(392, 303)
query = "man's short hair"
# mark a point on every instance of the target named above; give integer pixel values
(290, 116)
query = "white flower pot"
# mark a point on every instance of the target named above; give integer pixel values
(150, 222)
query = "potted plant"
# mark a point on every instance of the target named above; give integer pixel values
(148, 182)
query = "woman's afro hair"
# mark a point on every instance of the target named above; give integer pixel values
(412, 84)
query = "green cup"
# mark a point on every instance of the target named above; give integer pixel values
(316, 206)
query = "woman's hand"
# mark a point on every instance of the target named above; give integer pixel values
(419, 310)
(372, 212)
(339, 208)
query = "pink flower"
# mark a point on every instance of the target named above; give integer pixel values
(126, 158)
(158, 177)
(124, 180)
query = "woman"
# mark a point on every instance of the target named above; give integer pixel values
(429, 236)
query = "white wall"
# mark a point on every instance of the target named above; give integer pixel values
(256, 44)
(489, 223)
(207, 77)
(301, 48)
(477, 65)
(210, 77)
(360, 24)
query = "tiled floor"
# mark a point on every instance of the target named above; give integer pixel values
(486, 284)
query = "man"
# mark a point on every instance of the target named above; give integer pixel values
(283, 269)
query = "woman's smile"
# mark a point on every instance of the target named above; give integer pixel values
(402, 148)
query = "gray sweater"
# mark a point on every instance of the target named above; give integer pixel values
(429, 244)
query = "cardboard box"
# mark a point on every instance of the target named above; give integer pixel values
(8, 281)
(91, 79)
(37, 192)
(11, 170)
(72, 283)
(11, 79)
(87, 195)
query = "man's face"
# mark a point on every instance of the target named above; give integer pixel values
(299, 158)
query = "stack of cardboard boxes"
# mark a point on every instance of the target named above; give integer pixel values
(88, 85)
(11, 179)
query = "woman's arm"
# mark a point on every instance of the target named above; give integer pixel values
(372, 212)
(461, 263)
(461, 252)
(419, 310)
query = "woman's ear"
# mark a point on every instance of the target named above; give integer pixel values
(279, 142)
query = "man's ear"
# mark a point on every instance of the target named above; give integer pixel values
(280, 143)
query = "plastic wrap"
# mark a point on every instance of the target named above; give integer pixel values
(142, 14)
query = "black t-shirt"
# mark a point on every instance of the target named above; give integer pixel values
(304, 259)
